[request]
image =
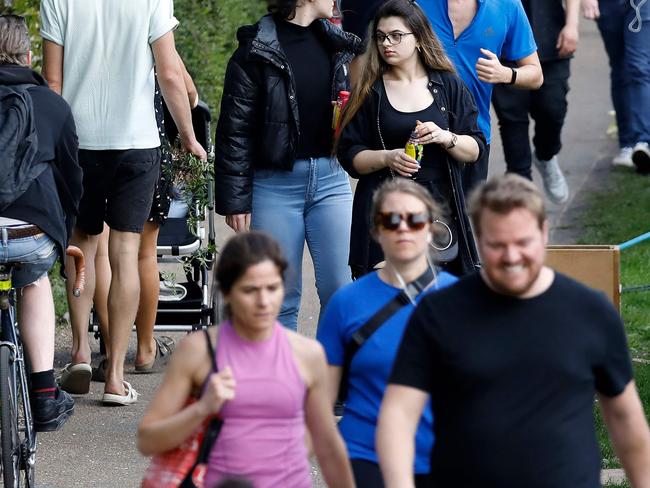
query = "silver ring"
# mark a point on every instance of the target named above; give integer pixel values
(451, 237)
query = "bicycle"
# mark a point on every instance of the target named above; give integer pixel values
(17, 433)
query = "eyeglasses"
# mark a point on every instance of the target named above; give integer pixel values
(392, 220)
(393, 37)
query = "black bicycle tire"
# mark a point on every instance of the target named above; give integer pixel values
(26, 433)
(8, 421)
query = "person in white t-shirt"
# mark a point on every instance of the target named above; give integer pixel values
(100, 56)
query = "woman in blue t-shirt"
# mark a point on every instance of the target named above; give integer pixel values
(403, 221)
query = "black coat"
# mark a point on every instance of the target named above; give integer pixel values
(52, 200)
(458, 113)
(258, 124)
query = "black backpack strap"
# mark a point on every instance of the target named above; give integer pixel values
(363, 333)
(213, 356)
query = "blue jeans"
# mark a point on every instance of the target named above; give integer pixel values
(629, 60)
(312, 203)
(36, 255)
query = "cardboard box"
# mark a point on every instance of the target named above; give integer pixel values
(595, 266)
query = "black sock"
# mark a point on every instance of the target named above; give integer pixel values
(43, 385)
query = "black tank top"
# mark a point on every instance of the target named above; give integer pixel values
(396, 127)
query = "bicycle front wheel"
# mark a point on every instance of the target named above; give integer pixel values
(9, 441)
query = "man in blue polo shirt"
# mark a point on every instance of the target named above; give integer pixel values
(475, 34)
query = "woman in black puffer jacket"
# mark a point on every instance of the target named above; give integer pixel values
(274, 166)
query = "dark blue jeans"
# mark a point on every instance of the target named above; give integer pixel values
(546, 106)
(629, 60)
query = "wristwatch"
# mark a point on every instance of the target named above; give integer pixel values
(513, 78)
(452, 143)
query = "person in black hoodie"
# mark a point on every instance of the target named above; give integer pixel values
(274, 166)
(409, 90)
(35, 226)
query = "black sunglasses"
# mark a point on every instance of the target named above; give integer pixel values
(392, 220)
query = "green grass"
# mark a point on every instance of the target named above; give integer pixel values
(642, 378)
(617, 214)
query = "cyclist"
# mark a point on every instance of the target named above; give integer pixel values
(36, 215)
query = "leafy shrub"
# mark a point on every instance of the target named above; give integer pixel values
(206, 38)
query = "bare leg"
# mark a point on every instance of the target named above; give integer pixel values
(80, 306)
(36, 321)
(102, 285)
(123, 300)
(149, 291)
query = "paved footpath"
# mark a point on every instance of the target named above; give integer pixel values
(97, 446)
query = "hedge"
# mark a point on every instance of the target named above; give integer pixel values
(205, 38)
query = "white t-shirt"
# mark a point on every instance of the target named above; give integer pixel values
(108, 65)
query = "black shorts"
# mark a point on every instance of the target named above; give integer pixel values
(118, 188)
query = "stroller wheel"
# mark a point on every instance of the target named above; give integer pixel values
(218, 312)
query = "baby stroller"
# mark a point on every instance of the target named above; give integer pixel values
(194, 301)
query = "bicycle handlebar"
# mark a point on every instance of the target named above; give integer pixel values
(80, 267)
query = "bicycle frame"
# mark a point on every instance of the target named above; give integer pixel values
(24, 454)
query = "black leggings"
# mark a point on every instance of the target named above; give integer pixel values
(368, 475)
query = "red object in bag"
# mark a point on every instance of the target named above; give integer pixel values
(167, 470)
(341, 102)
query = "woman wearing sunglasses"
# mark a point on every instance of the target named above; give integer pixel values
(408, 89)
(376, 307)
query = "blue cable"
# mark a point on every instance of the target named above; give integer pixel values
(636, 240)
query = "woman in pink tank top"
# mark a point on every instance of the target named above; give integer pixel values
(271, 384)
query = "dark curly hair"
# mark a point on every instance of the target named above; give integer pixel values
(284, 9)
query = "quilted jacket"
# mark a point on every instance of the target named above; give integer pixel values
(258, 125)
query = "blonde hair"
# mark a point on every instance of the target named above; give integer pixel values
(407, 187)
(504, 194)
(14, 40)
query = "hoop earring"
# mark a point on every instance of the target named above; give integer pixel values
(419, 50)
(451, 237)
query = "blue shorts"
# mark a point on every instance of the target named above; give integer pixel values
(34, 255)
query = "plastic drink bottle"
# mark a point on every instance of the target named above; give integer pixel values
(413, 149)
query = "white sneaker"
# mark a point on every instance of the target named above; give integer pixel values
(624, 158)
(641, 157)
(555, 185)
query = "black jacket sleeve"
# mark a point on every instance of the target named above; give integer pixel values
(67, 173)
(234, 140)
(357, 136)
(464, 114)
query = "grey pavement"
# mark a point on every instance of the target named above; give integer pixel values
(97, 446)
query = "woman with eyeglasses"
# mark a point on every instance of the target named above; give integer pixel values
(275, 169)
(409, 91)
(363, 324)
